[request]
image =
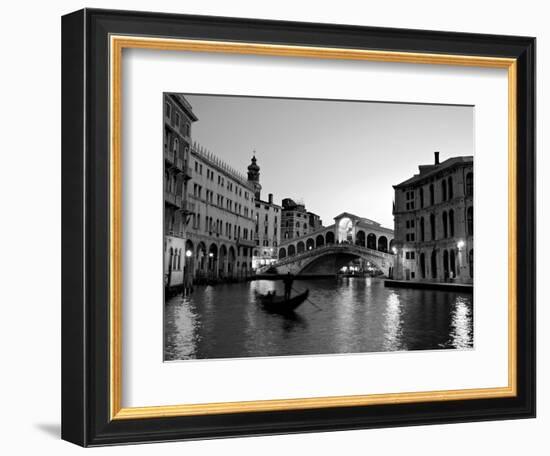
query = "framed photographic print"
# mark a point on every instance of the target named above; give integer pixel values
(268, 227)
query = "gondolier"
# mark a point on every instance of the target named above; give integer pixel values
(278, 304)
(287, 281)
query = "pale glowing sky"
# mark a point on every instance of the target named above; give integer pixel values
(336, 156)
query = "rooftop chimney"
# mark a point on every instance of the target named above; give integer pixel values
(270, 198)
(436, 157)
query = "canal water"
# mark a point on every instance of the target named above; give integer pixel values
(358, 315)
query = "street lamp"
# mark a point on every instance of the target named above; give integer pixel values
(211, 255)
(460, 244)
(188, 253)
(394, 250)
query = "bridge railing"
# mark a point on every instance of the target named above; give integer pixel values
(336, 247)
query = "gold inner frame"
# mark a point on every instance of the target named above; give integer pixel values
(117, 44)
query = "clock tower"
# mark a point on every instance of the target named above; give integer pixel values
(254, 177)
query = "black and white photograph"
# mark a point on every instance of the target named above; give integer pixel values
(316, 227)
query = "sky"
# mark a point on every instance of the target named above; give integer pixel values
(335, 156)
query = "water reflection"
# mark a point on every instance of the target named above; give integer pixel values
(461, 324)
(358, 315)
(393, 323)
(181, 332)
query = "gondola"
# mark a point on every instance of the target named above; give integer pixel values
(278, 304)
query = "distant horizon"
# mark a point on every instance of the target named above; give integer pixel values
(332, 156)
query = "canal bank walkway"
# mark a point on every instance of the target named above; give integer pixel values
(443, 286)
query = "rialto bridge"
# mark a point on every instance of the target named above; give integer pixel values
(328, 249)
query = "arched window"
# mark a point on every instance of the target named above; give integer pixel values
(291, 250)
(422, 236)
(470, 220)
(432, 226)
(453, 264)
(445, 231)
(421, 197)
(176, 145)
(301, 247)
(171, 258)
(443, 190)
(434, 265)
(445, 265)
(310, 244)
(432, 199)
(469, 184)
(450, 187)
(423, 265)
(179, 260)
(452, 223)
(471, 262)
(330, 237)
(172, 222)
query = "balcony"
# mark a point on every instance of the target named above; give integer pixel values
(169, 156)
(172, 159)
(175, 233)
(187, 172)
(246, 242)
(188, 207)
(172, 199)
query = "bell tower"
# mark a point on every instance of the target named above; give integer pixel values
(254, 176)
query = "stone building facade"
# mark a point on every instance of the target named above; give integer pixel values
(178, 119)
(267, 228)
(220, 227)
(296, 221)
(267, 232)
(434, 223)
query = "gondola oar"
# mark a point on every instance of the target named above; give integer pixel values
(309, 300)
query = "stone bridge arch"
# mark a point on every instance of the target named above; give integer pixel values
(330, 258)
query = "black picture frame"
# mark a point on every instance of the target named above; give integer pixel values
(85, 225)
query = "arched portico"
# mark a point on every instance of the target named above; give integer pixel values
(189, 263)
(371, 241)
(200, 258)
(345, 228)
(212, 262)
(319, 241)
(222, 262)
(383, 243)
(231, 257)
(360, 238)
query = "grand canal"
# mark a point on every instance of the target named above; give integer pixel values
(358, 315)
